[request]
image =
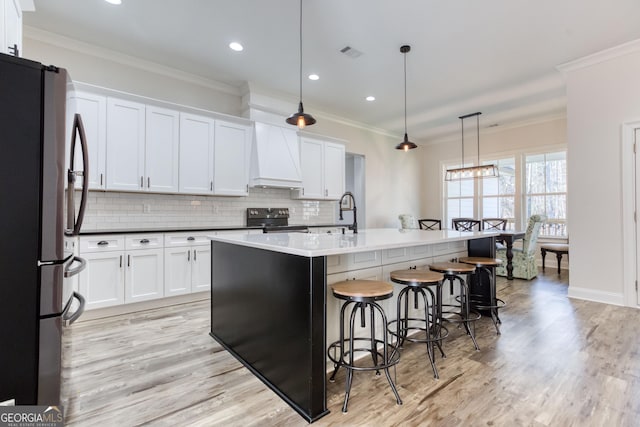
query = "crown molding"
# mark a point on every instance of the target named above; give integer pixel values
(130, 61)
(599, 57)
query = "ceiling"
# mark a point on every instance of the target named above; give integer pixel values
(494, 56)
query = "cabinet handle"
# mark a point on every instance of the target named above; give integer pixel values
(303, 191)
(211, 185)
(148, 182)
(144, 241)
(188, 255)
(101, 180)
(326, 192)
(142, 182)
(103, 243)
(13, 50)
(195, 255)
(191, 238)
(120, 261)
(128, 260)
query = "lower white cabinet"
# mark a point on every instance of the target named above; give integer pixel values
(187, 269)
(115, 275)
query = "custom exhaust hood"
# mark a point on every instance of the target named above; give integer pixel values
(275, 157)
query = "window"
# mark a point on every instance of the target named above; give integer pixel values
(546, 190)
(499, 194)
(459, 198)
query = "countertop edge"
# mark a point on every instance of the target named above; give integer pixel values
(191, 229)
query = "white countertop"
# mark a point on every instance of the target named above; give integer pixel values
(322, 244)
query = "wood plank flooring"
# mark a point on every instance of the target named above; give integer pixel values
(558, 362)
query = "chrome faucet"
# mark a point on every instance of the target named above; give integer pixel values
(353, 226)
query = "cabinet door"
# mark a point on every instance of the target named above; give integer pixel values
(102, 281)
(93, 109)
(144, 275)
(311, 164)
(125, 145)
(201, 269)
(231, 159)
(196, 154)
(12, 33)
(177, 271)
(161, 150)
(333, 170)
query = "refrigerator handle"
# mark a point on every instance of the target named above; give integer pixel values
(70, 272)
(70, 318)
(73, 224)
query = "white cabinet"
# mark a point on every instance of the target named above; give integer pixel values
(102, 281)
(121, 269)
(125, 145)
(232, 149)
(323, 169)
(196, 154)
(187, 265)
(11, 33)
(93, 109)
(161, 150)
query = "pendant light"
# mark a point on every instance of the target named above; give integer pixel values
(471, 172)
(405, 145)
(301, 119)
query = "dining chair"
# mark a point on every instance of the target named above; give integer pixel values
(465, 224)
(430, 224)
(494, 223)
(408, 221)
(524, 258)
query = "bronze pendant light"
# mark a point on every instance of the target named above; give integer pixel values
(405, 145)
(301, 119)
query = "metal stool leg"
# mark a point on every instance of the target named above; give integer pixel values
(385, 352)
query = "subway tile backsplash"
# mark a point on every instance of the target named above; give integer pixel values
(111, 210)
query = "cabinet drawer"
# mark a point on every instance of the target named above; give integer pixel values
(103, 243)
(394, 255)
(356, 261)
(186, 239)
(449, 247)
(144, 241)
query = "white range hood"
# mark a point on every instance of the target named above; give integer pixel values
(275, 157)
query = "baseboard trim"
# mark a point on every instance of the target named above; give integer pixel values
(596, 296)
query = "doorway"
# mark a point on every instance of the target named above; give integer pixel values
(355, 182)
(630, 202)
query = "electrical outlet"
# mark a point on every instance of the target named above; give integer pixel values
(146, 208)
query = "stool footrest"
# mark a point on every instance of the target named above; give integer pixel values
(444, 332)
(392, 353)
(473, 315)
(480, 305)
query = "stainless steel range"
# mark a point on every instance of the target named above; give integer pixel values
(273, 220)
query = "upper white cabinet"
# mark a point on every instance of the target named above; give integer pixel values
(231, 158)
(275, 157)
(125, 145)
(11, 32)
(196, 154)
(93, 109)
(161, 150)
(323, 169)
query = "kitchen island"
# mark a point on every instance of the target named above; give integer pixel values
(269, 296)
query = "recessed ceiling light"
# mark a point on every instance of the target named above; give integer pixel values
(370, 98)
(236, 46)
(114, 1)
(313, 77)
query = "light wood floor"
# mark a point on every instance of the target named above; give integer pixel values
(558, 362)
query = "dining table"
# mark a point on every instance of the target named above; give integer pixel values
(508, 237)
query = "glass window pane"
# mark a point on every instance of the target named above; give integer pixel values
(490, 207)
(466, 187)
(535, 176)
(466, 208)
(453, 189)
(535, 205)
(490, 186)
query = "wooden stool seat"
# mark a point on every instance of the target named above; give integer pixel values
(479, 261)
(452, 268)
(419, 277)
(362, 289)
(557, 248)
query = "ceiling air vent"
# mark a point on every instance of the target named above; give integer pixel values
(351, 52)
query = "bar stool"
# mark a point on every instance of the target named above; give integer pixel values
(451, 271)
(419, 281)
(361, 294)
(479, 302)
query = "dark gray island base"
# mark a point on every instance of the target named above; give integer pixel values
(268, 309)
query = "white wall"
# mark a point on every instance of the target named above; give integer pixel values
(603, 93)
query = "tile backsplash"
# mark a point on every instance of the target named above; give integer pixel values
(131, 211)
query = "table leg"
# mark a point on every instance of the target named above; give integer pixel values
(509, 259)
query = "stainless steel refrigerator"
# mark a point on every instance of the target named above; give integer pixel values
(36, 266)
